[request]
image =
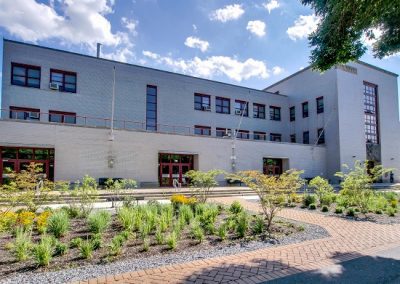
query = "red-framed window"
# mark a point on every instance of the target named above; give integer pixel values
(275, 113)
(292, 113)
(202, 130)
(243, 134)
(258, 111)
(276, 137)
(259, 135)
(62, 117)
(222, 105)
(222, 132)
(24, 113)
(241, 108)
(306, 137)
(304, 107)
(151, 108)
(202, 102)
(320, 104)
(25, 75)
(321, 136)
(66, 80)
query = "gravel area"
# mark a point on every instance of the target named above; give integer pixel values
(90, 271)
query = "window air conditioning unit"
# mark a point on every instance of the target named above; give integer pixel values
(34, 115)
(54, 86)
(238, 112)
(228, 133)
(206, 108)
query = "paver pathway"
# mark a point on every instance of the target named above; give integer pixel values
(348, 240)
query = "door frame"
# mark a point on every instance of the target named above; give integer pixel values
(171, 164)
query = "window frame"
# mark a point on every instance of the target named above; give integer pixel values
(203, 106)
(27, 67)
(261, 134)
(64, 73)
(202, 128)
(371, 113)
(320, 140)
(150, 127)
(257, 112)
(25, 110)
(244, 106)
(243, 134)
(222, 99)
(275, 135)
(292, 116)
(304, 112)
(273, 115)
(291, 138)
(320, 109)
(63, 114)
(222, 129)
(306, 134)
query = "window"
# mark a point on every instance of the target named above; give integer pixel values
(259, 111)
(306, 137)
(202, 102)
(293, 138)
(321, 136)
(202, 130)
(371, 113)
(223, 132)
(62, 117)
(151, 108)
(25, 75)
(241, 107)
(66, 80)
(243, 134)
(222, 105)
(292, 113)
(259, 135)
(275, 113)
(275, 137)
(320, 105)
(305, 109)
(24, 113)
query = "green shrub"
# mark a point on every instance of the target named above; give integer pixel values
(378, 211)
(222, 232)
(339, 210)
(351, 211)
(197, 231)
(86, 249)
(144, 229)
(127, 218)
(115, 247)
(159, 237)
(390, 211)
(60, 248)
(186, 213)
(43, 252)
(230, 224)
(309, 199)
(72, 211)
(75, 242)
(146, 244)
(325, 208)
(96, 242)
(236, 207)
(172, 241)
(312, 206)
(390, 196)
(22, 244)
(242, 224)
(258, 227)
(58, 223)
(323, 190)
(394, 203)
(126, 234)
(99, 221)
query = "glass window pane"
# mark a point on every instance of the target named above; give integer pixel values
(34, 73)
(33, 82)
(17, 80)
(54, 117)
(151, 115)
(151, 107)
(19, 71)
(41, 154)
(56, 77)
(25, 154)
(9, 153)
(70, 88)
(71, 119)
(152, 91)
(70, 79)
(151, 99)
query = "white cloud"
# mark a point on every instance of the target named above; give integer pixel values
(228, 13)
(303, 26)
(256, 27)
(75, 22)
(214, 66)
(129, 24)
(271, 5)
(194, 28)
(369, 42)
(195, 42)
(276, 70)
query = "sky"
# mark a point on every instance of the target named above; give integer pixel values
(247, 43)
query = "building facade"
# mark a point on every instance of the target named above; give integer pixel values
(57, 108)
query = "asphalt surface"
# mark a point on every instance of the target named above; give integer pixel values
(383, 267)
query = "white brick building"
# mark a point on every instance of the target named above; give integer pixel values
(57, 105)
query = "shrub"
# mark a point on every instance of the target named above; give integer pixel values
(179, 199)
(339, 210)
(159, 237)
(325, 208)
(75, 242)
(258, 227)
(41, 221)
(115, 247)
(72, 211)
(25, 219)
(222, 232)
(58, 224)
(99, 221)
(126, 234)
(312, 206)
(144, 229)
(390, 211)
(172, 241)
(351, 212)
(186, 213)
(203, 182)
(197, 231)
(343, 201)
(236, 207)
(86, 192)
(96, 241)
(146, 244)
(43, 252)
(242, 224)
(323, 190)
(8, 220)
(309, 199)
(22, 244)
(60, 248)
(394, 203)
(127, 218)
(86, 249)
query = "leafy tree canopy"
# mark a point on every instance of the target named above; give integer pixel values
(339, 36)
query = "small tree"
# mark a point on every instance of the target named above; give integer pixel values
(323, 189)
(203, 182)
(116, 186)
(356, 183)
(86, 191)
(271, 190)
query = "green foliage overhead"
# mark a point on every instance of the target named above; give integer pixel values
(338, 38)
(203, 182)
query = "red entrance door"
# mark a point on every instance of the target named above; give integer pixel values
(174, 167)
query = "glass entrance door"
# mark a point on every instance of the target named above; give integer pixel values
(272, 166)
(174, 167)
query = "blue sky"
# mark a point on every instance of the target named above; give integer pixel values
(249, 43)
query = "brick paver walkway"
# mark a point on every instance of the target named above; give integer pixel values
(348, 240)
